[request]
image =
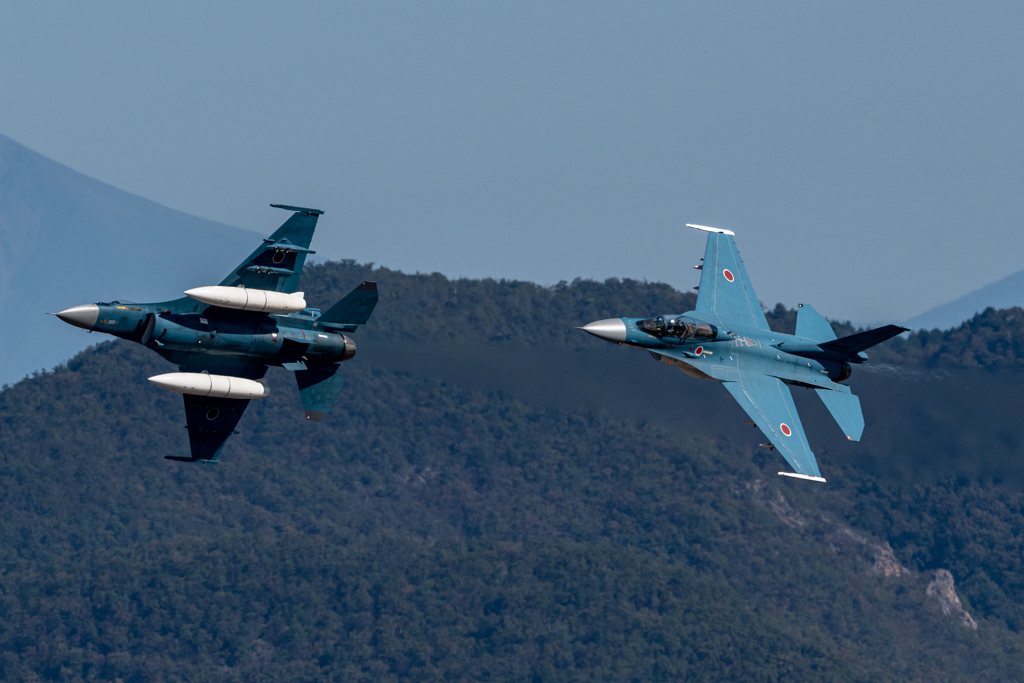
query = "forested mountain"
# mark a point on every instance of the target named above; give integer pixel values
(502, 497)
(437, 310)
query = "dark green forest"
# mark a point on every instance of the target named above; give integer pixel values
(500, 497)
(437, 310)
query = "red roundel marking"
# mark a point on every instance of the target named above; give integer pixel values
(728, 275)
(699, 350)
(785, 429)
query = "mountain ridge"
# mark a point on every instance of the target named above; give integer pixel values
(1007, 292)
(68, 239)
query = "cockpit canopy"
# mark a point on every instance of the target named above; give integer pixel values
(679, 327)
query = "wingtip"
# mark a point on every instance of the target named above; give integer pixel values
(299, 209)
(707, 228)
(805, 477)
(194, 461)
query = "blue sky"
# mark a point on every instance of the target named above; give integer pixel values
(867, 155)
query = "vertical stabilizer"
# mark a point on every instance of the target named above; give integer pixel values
(355, 308)
(845, 408)
(811, 324)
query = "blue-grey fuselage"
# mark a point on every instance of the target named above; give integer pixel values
(727, 339)
(183, 329)
(710, 352)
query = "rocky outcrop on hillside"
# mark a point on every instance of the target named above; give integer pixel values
(878, 557)
(943, 591)
(883, 561)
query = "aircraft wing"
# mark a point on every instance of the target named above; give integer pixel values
(277, 263)
(725, 296)
(770, 405)
(211, 421)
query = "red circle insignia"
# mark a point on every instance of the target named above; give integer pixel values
(785, 429)
(728, 275)
(699, 350)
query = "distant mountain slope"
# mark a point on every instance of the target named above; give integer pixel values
(67, 239)
(1005, 293)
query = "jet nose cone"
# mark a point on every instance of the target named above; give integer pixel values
(81, 316)
(613, 329)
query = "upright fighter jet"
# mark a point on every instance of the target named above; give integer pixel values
(224, 337)
(727, 339)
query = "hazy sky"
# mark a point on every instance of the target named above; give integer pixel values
(867, 155)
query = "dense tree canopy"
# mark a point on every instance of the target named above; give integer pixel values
(429, 530)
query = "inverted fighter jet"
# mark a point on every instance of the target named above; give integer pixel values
(224, 337)
(727, 339)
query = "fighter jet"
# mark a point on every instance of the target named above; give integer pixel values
(224, 337)
(727, 339)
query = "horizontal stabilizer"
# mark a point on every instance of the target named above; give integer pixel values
(319, 387)
(845, 408)
(811, 325)
(355, 308)
(862, 341)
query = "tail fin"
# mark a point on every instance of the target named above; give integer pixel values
(354, 309)
(845, 408)
(810, 324)
(862, 341)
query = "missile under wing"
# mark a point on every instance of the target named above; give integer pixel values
(726, 338)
